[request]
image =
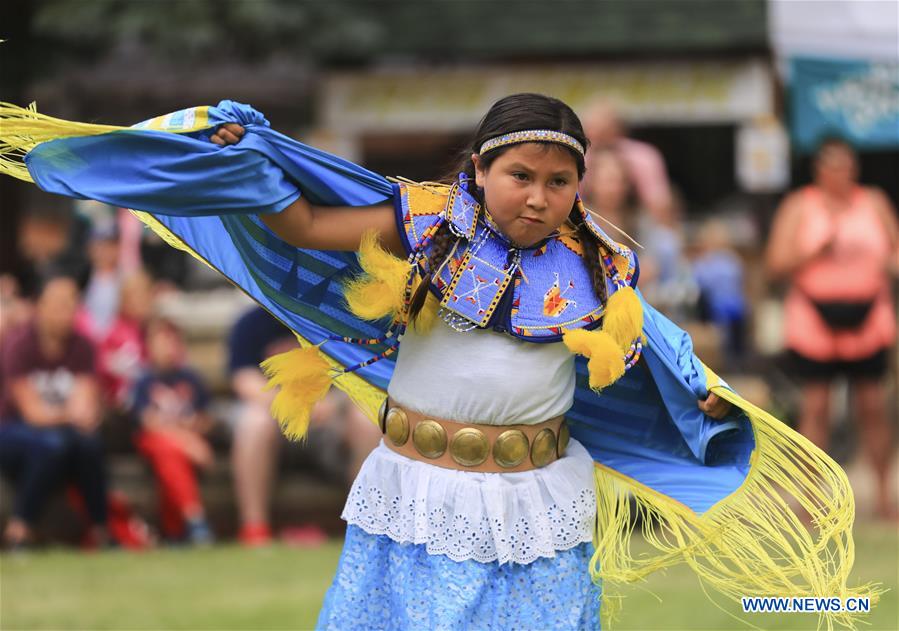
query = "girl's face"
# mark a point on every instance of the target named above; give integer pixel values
(529, 190)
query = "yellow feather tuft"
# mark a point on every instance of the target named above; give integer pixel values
(752, 543)
(303, 376)
(370, 299)
(623, 317)
(378, 292)
(578, 341)
(606, 360)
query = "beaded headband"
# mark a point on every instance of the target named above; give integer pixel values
(532, 135)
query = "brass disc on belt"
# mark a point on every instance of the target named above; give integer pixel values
(564, 436)
(543, 449)
(397, 424)
(510, 448)
(382, 417)
(469, 447)
(429, 439)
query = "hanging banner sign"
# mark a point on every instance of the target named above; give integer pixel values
(454, 99)
(854, 100)
(763, 156)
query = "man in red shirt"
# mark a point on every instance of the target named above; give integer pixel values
(50, 413)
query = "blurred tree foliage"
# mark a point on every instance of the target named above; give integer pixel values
(357, 31)
(191, 31)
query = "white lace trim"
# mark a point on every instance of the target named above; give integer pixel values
(505, 517)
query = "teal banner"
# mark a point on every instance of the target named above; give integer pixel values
(855, 100)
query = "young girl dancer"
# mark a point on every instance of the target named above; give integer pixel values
(536, 399)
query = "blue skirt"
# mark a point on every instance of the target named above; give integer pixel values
(381, 584)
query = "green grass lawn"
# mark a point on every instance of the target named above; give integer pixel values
(227, 587)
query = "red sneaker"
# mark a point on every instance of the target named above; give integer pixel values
(125, 526)
(254, 535)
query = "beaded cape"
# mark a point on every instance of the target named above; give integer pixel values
(723, 495)
(533, 293)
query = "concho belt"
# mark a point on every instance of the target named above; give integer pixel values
(471, 446)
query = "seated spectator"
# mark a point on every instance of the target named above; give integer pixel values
(49, 238)
(169, 406)
(50, 413)
(101, 296)
(121, 355)
(339, 439)
(718, 271)
(255, 337)
(15, 309)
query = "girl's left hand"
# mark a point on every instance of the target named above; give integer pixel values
(715, 406)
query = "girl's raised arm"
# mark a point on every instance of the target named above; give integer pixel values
(325, 227)
(335, 227)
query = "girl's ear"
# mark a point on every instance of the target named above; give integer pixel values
(480, 174)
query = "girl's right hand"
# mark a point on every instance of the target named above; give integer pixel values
(227, 134)
(328, 228)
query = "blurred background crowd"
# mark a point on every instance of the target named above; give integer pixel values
(751, 148)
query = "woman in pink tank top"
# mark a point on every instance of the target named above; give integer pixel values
(837, 244)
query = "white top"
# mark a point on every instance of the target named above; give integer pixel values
(482, 377)
(491, 378)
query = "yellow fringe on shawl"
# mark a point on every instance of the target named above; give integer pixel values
(752, 543)
(378, 292)
(606, 359)
(23, 128)
(304, 379)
